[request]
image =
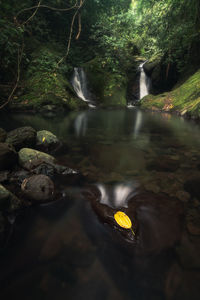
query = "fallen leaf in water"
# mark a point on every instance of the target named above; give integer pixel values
(123, 220)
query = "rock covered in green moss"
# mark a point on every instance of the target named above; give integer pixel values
(22, 137)
(47, 140)
(184, 100)
(26, 155)
(108, 87)
(45, 84)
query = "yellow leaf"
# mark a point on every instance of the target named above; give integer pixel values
(43, 139)
(122, 220)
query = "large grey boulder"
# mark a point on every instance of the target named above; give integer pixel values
(8, 156)
(27, 157)
(22, 137)
(38, 188)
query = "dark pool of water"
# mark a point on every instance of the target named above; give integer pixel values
(64, 251)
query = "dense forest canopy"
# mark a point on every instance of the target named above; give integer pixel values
(115, 30)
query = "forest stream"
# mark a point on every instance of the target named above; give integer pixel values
(145, 164)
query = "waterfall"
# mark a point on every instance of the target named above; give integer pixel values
(79, 83)
(144, 82)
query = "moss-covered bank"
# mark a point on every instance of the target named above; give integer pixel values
(109, 88)
(44, 86)
(184, 100)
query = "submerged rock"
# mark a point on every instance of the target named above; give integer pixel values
(27, 157)
(38, 188)
(8, 156)
(3, 135)
(164, 163)
(22, 137)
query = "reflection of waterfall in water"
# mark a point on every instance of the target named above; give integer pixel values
(144, 82)
(117, 195)
(81, 124)
(79, 83)
(138, 123)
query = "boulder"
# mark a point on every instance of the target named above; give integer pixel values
(155, 219)
(27, 157)
(46, 141)
(3, 135)
(8, 156)
(8, 201)
(38, 188)
(22, 137)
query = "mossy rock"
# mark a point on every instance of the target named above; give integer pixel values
(109, 88)
(184, 100)
(26, 155)
(46, 85)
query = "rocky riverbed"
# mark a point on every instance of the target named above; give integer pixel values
(26, 173)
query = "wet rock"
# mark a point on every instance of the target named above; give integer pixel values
(38, 188)
(8, 156)
(165, 163)
(18, 176)
(192, 186)
(4, 175)
(155, 218)
(3, 135)
(46, 141)
(8, 201)
(28, 156)
(22, 137)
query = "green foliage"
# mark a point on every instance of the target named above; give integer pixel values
(10, 44)
(168, 28)
(114, 36)
(185, 99)
(45, 59)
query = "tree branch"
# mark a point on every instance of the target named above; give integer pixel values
(71, 31)
(19, 59)
(45, 6)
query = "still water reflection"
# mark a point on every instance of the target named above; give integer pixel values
(64, 250)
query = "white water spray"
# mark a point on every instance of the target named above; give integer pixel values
(144, 81)
(79, 83)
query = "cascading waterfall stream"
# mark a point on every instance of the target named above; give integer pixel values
(144, 82)
(79, 83)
